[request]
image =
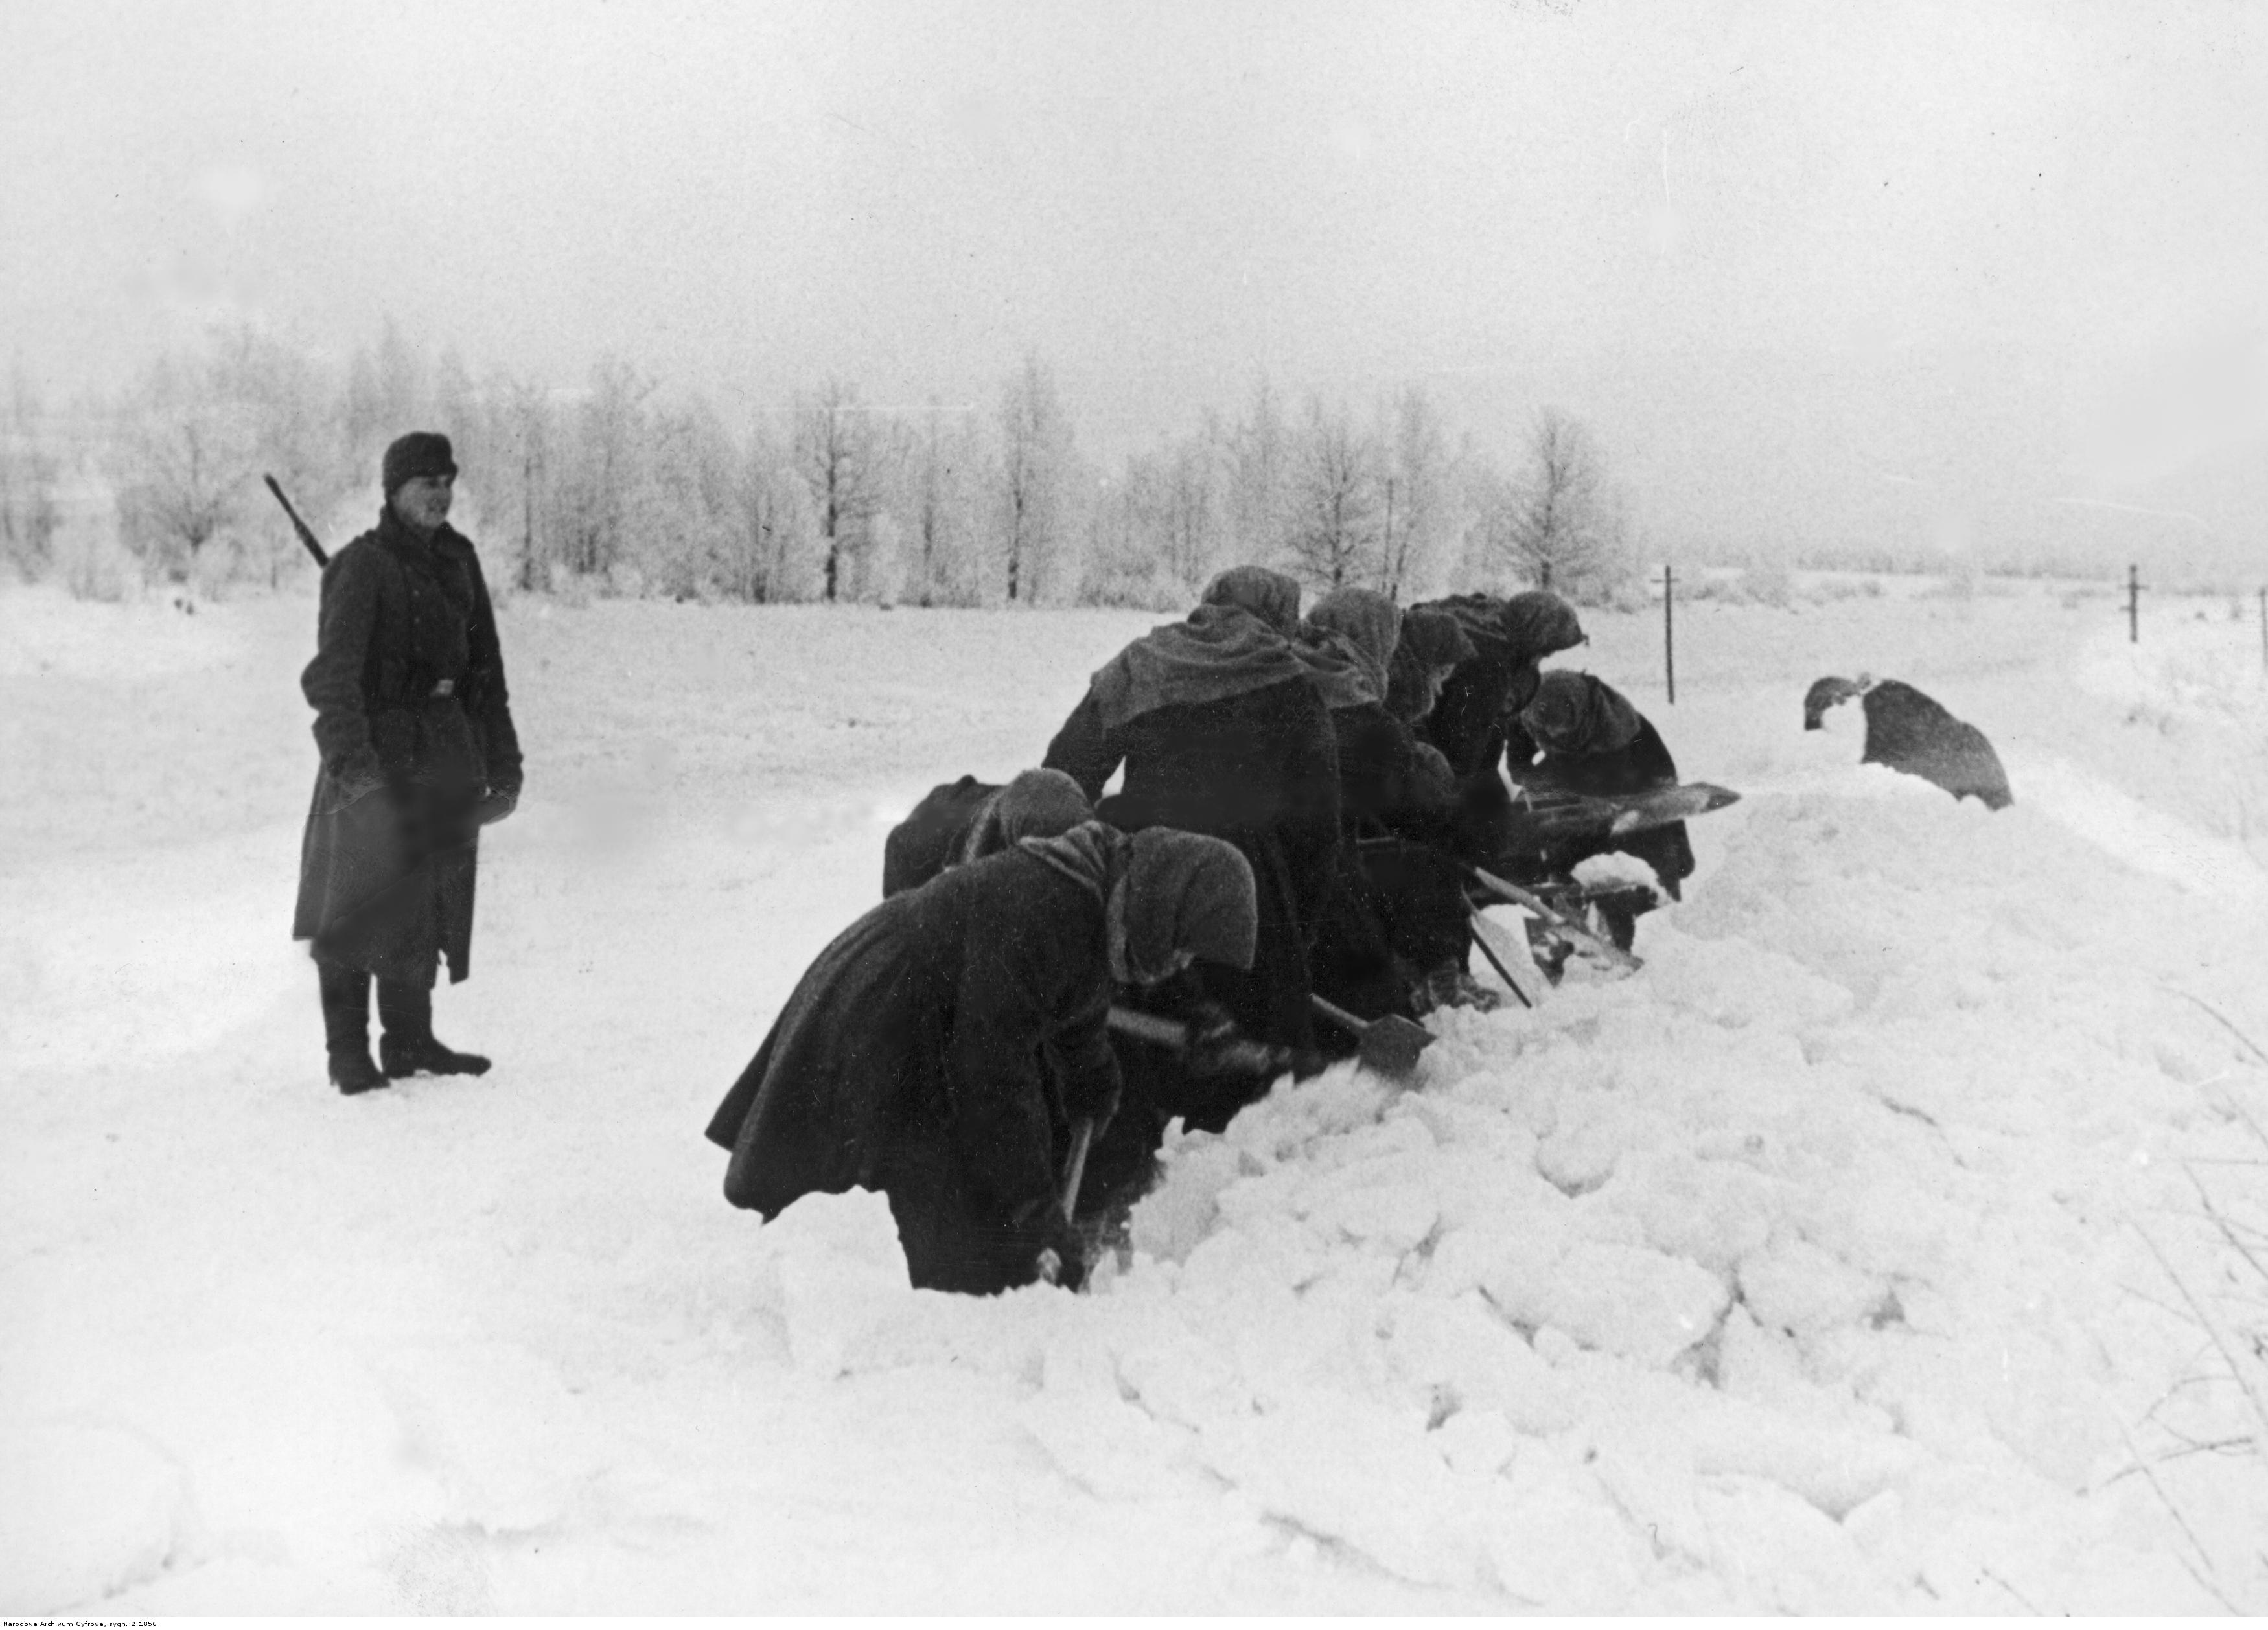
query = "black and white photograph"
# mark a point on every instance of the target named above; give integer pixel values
(1133, 808)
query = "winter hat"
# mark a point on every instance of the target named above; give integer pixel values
(421, 453)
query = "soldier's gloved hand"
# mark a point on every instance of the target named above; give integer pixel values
(503, 798)
(357, 779)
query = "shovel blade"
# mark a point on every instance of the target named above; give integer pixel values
(1390, 1045)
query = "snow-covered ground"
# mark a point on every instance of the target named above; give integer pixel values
(1880, 1246)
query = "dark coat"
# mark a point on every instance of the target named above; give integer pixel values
(1259, 769)
(926, 842)
(1640, 767)
(1387, 924)
(1468, 722)
(907, 1061)
(413, 722)
(1910, 731)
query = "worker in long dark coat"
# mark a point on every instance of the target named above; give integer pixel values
(1470, 721)
(1578, 734)
(1220, 730)
(907, 1058)
(966, 820)
(413, 722)
(1911, 731)
(1397, 919)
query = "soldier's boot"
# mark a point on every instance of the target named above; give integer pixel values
(407, 1045)
(346, 1028)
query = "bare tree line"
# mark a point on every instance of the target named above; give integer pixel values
(623, 487)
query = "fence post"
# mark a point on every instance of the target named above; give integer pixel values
(2133, 605)
(1669, 635)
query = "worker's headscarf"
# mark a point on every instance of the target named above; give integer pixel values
(1827, 693)
(1578, 716)
(1038, 803)
(1348, 642)
(1433, 641)
(1270, 596)
(1233, 642)
(1540, 624)
(1167, 896)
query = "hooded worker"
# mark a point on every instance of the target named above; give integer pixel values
(907, 1058)
(1910, 731)
(1511, 638)
(1432, 647)
(1578, 734)
(1393, 938)
(1221, 731)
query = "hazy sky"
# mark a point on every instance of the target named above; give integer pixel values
(1837, 271)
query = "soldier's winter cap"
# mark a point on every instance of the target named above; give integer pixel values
(421, 453)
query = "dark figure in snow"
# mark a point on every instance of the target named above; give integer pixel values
(1578, 734)
(1910, 731)
(968, 819)
(1479, 701)
(908, 1060)
(1221, 731)
(414, 725)
(1398, 915)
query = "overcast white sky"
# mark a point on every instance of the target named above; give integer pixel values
(1842, 271)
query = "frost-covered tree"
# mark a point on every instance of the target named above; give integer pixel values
(28, 473)
(940, 463)
(1260, 456)
(605, 460)
(1556, 527)
(191, 440)
(1332, 528)
(1034, 472)
(775, 549)
(840, 452)
(685, 505)
(386, 397)
(1418, 493)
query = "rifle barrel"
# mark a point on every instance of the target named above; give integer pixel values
(306, 534)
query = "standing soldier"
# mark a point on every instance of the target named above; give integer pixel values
(414, 725)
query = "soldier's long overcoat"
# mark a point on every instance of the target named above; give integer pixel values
(413, 722)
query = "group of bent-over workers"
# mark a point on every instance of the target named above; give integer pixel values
(1300, 802)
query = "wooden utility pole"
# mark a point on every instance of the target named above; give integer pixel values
(2264, 628)
(1668, 633)
(2133, 604)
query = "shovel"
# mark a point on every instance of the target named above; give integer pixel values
(1502, 955)
(1390, 1045)
(1605, 950)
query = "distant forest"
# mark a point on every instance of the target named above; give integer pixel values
(625, 486)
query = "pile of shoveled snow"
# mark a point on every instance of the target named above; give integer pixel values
(1796, 1272)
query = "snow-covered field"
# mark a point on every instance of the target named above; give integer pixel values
(1881, 1246)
